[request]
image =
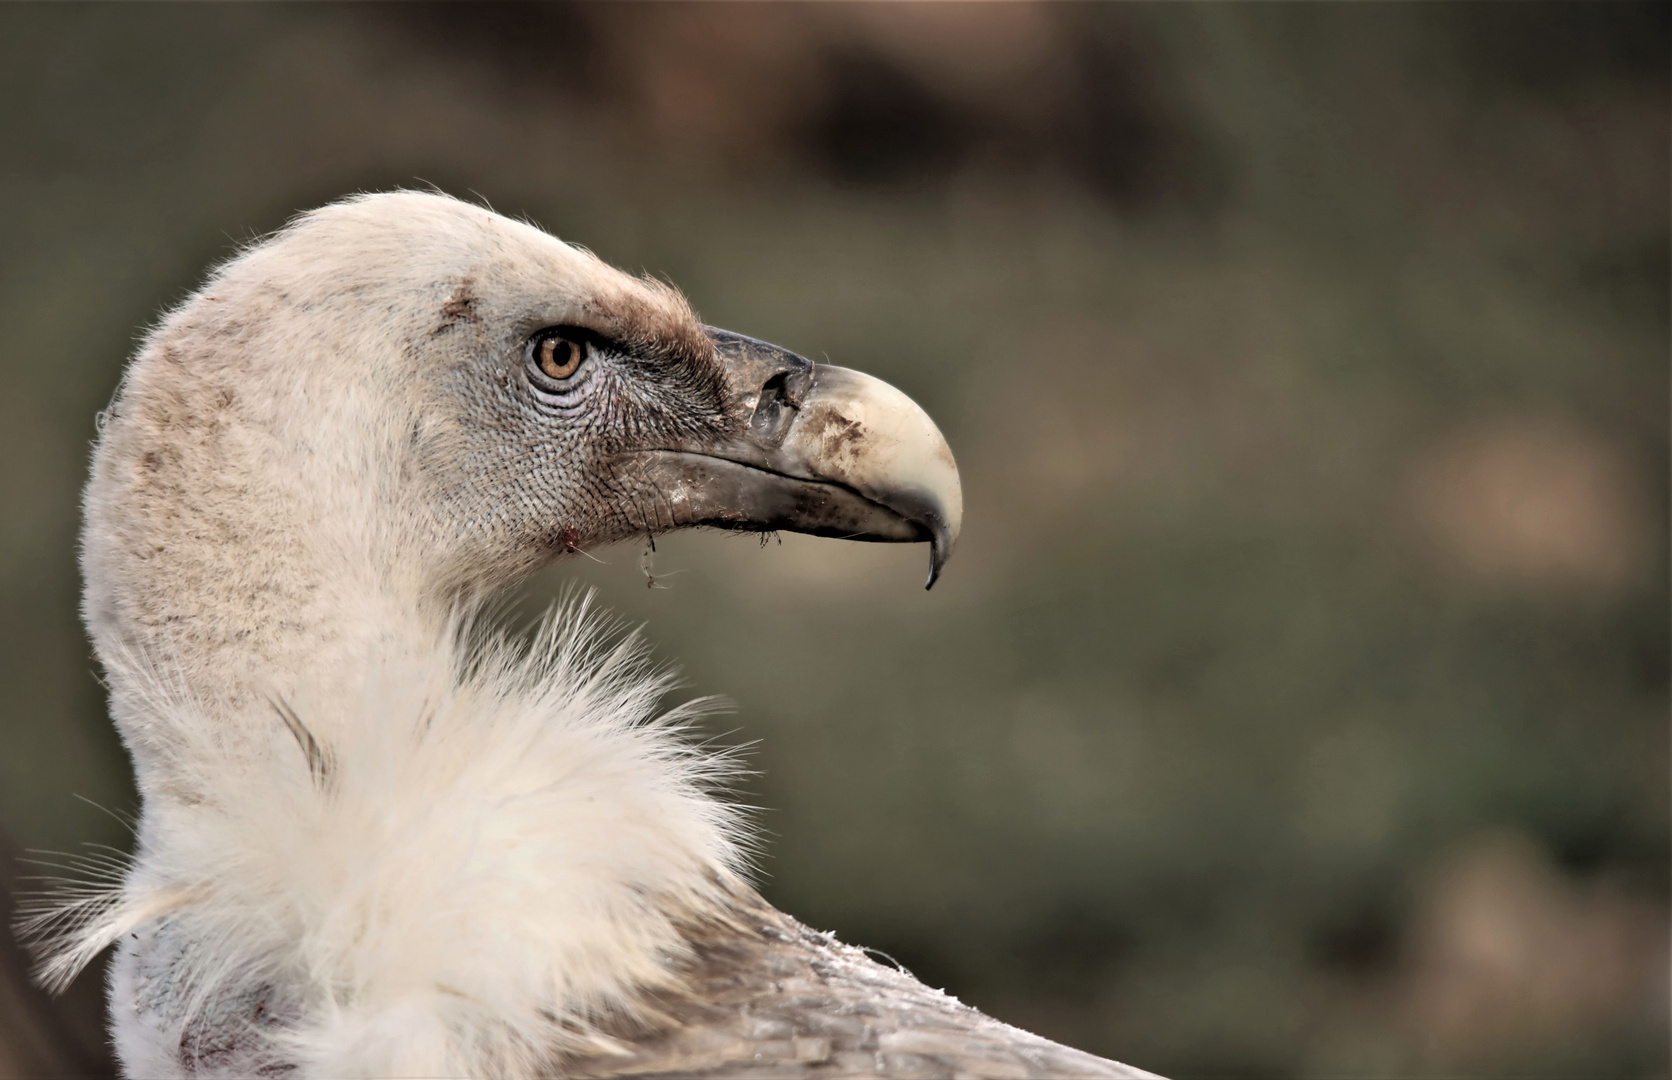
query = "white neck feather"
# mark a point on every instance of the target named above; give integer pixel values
(497, 846)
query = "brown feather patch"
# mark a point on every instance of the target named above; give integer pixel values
(653, 316)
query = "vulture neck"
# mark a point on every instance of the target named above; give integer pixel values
(430, 860)
(303, 621)
(254, 550)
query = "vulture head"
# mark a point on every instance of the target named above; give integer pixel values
(405, 399)
(374, 842)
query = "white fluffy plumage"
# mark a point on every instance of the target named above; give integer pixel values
(491, 854)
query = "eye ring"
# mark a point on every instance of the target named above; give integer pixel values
(556, 355)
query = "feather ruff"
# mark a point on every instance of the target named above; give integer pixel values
(474, 862)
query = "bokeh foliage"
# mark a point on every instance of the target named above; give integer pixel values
(1297, 700)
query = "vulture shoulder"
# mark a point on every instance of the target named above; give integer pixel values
(769, 997)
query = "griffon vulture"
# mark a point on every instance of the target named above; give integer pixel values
(377, 842)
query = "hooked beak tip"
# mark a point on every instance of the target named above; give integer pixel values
(940, 550)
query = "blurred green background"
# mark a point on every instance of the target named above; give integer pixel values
(1296, 704)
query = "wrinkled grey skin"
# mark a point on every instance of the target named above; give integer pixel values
(610, 443)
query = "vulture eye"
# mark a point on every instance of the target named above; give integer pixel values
(557, 354)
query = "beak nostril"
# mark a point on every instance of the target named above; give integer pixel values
(796, 383)
(774, 410)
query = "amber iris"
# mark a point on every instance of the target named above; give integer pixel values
(558, 356)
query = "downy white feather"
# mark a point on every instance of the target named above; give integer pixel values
(492, 854)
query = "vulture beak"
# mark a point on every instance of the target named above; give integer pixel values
(826, 451)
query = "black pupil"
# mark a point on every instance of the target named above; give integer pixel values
(558, 357)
